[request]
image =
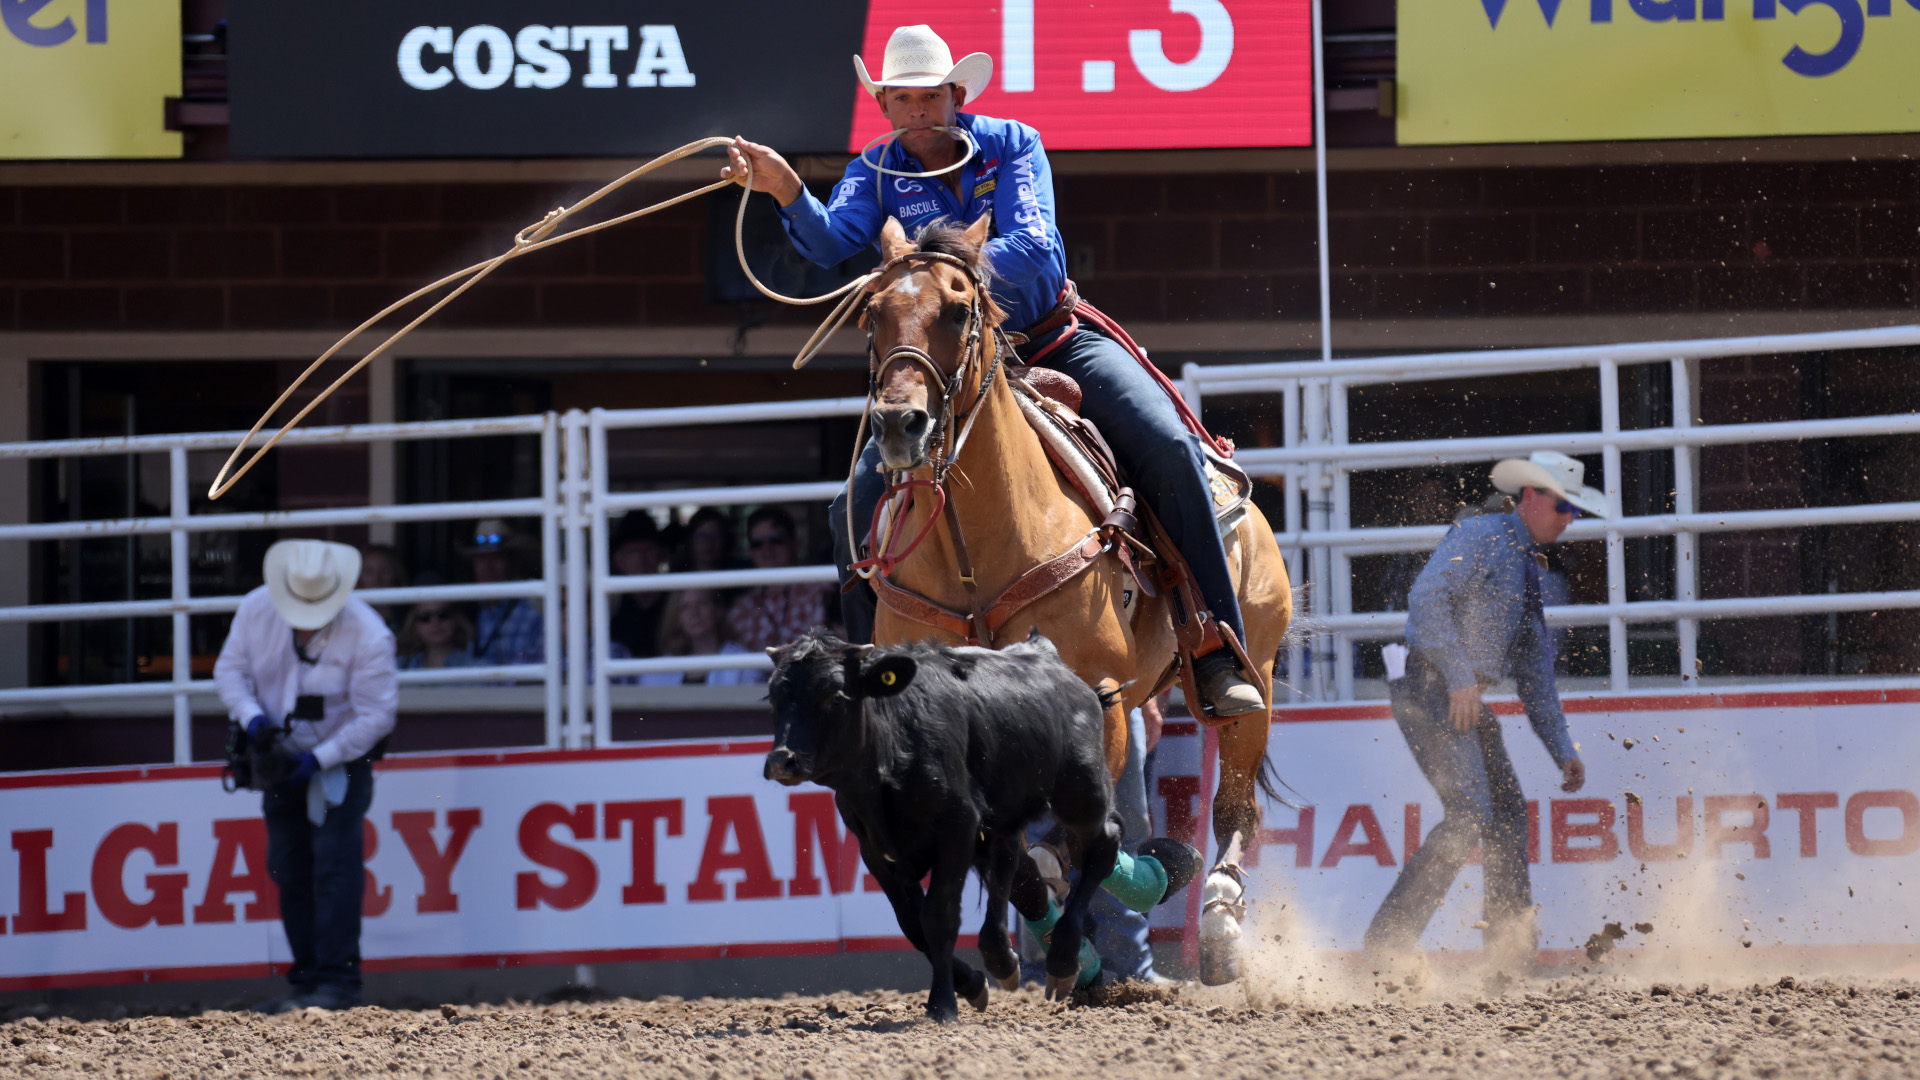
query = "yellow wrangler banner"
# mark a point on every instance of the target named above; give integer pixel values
(88, 78)
(1488, 71)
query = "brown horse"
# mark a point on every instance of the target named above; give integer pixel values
(943, 410)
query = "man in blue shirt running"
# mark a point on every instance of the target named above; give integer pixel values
(921, 89)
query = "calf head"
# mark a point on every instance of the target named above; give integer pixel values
(819, 692)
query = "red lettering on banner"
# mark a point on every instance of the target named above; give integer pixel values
(1410, 829)
(1180, 793)
(1566, 831)
(1358, 816)
(1682, 845)
(35, 915)
(238, 840)
(817, 820)
(1807, 803)
(1857, 806)
(734, 815)
(1300, 836)
(579, 876)
(374, 900)
(645, 887)
(435, 862)
(1719, 833)
(167, 906)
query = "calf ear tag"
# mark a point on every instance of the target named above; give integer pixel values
(888, 678)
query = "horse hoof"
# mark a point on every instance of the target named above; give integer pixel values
(979, 1000)
(1060, 987)
(1220, 962)
(1008, 982)
(1182, 862)
(947, 1015)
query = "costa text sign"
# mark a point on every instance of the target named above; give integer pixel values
(1778, 821)
(436, 78)
(1474, 71)
(88, 78)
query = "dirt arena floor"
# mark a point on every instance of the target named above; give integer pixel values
(1594, 1025)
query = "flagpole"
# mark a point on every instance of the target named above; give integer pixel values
(1320, 183)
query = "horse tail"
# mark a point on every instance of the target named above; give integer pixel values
(1271, 783)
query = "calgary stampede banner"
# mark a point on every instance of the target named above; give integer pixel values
(1766, 821)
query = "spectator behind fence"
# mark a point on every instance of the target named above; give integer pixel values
(707, 542)
(636, 549)
(507, 631)
(693, 626)
(774, 614)
(435, 635)
(381, 568)
(307, 674)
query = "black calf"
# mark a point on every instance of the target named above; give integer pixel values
(938, 759)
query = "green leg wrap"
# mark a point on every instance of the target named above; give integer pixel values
(1138, 883)
(1042, 930)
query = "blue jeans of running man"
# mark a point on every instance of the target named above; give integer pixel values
(1119, 932)
(1483, 804)
(1161, 458)
(318, 869)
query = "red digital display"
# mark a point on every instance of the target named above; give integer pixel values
(1125, 74)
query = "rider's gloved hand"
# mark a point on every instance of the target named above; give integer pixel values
(255, 726)
(303, 769)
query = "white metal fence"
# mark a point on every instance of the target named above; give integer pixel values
(1314, 463)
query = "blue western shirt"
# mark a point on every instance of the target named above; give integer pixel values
(1009, 176)
(1474, 615)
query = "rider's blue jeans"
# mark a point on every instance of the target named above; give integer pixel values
(1162, 459)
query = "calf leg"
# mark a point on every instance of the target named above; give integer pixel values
(910, 907)
(999, 863)
(1100, 845)
(940, 927)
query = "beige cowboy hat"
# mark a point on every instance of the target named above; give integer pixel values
(916, 56)
(309, 580)
(1550, 470)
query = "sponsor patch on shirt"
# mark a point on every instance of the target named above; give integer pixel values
(983, 187)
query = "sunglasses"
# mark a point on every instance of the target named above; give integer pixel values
(1560, 506)
(768, 540)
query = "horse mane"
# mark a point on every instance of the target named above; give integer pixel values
(944, 236)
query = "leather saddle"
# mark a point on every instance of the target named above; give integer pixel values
(1050, 402)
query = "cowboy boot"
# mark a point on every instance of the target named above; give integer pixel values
(1223, 690)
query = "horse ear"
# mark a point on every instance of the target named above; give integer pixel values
(981, 231)
(893, 240)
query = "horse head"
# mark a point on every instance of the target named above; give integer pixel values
(925, 317)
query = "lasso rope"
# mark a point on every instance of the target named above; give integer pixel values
(541, 235)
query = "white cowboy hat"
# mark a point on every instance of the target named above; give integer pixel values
(916, 56)
(309, 580)
(1550, 470)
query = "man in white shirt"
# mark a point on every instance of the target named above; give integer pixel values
(308, 671)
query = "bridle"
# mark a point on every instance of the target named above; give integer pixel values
(951, 427)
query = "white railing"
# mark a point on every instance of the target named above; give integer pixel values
(181, 522)
(1316, 460)
(576, 504)
(606, 585)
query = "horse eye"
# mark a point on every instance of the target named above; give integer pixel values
(957, 313)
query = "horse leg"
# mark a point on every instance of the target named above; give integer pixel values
(1066, 958)
(1236, 824)
(1114, 724)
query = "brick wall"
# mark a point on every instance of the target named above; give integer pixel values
(1437, 242)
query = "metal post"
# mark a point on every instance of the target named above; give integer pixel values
(1685, 560)
(575, 464)
(1320, 186)
(1342, 519)
(602, 618)
(1296, 557)
(550, 574)
(177, 506)
(1318, 557)
(1616, 548)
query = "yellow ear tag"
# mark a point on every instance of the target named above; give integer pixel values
(887, 678)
